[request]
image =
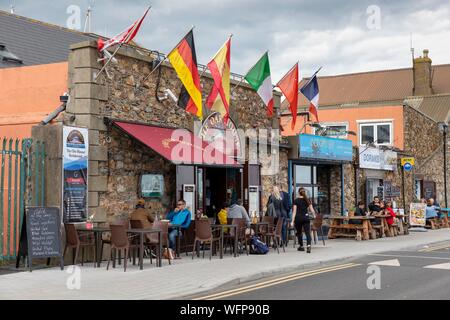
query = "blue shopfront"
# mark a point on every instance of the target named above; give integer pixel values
(317, 165)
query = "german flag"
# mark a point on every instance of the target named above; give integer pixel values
(184, 60)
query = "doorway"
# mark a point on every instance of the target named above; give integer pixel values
(220, 185)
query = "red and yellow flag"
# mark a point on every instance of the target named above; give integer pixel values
(219, 98)
(184, 60)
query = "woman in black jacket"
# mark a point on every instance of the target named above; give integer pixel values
(301, 219)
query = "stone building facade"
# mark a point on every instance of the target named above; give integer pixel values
(126, 92)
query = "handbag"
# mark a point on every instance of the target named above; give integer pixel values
(271, 210)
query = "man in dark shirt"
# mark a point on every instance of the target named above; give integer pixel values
(375, 205)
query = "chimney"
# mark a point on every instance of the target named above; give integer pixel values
(422, 75)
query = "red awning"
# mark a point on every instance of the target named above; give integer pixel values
(179, 146)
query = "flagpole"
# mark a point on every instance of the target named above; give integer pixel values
(287, 73)
(165, 58)
(242, 79)
(120, 45)
(310, 78)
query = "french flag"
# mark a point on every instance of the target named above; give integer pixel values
(311, 91)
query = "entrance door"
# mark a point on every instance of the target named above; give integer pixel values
(374, 187)
(429, 189)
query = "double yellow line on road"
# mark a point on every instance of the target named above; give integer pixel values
(265, 284)
(435, 248)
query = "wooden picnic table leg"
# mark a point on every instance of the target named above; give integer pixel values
(387, 230)
(400, 225)
(331, 232)
(365, 230)
(141, 251)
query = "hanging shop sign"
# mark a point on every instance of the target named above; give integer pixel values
(318, 147)
(75, 174)
(224, 137)
(374, 158)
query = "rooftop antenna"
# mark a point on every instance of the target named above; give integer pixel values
(13, 6)
(411, 45)
(87, 22)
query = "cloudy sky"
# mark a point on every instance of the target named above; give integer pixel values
(342, 36)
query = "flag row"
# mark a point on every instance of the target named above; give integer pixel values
(183, 58)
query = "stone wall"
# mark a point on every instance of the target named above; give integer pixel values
(127, 92)
(424, 141)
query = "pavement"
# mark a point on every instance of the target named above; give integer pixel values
(187, 276)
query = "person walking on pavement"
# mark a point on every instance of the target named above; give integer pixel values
(301, 219)
(287, 207)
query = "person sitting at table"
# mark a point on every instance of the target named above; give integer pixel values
(238, 211)
(179, 216)
(359, 212)
(142, 214)
(431, 210)
(389, 211)
(375, 205)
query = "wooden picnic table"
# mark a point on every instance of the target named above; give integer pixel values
(362, 230)
(387, 229)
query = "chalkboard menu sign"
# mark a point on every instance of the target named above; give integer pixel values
(43, 233)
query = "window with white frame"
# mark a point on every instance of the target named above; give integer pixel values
(380, 133)
(333, 130)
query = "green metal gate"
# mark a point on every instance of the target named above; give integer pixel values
(22, 172)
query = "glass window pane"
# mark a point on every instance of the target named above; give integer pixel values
(367, 134)
(303, 174)
(383, 133)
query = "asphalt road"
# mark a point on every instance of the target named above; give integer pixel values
(393, 275)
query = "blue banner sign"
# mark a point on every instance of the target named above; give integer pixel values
(318, 147)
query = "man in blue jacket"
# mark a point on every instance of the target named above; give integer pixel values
(180, 216)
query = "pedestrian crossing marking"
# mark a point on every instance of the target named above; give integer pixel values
(443, 266)
(392, 263)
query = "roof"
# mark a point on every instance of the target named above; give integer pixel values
(436, 107)
(373, 86)
(34, 42)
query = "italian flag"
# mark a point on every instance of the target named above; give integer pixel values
(259, 78)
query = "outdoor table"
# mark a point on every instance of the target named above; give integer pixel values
(98, 232)
(337, 220)
(141, 233)
(222, 227)
(178, 227)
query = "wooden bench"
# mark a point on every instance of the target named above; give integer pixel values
(357, 227)
(432, 224)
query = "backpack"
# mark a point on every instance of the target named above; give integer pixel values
(257, 246)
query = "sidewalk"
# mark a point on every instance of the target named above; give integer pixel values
(187, 276)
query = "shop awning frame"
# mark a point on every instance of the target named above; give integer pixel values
(160, 140)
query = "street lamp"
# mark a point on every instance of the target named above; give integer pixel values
(443, 127)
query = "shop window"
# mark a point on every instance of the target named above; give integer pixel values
(377, 133)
